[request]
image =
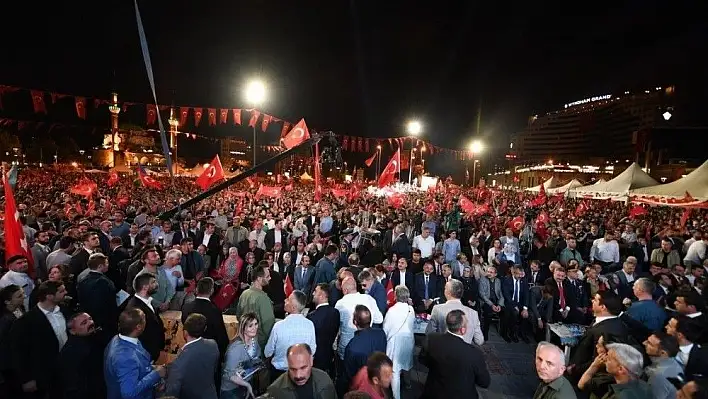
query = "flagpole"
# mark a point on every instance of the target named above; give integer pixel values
(378, 161)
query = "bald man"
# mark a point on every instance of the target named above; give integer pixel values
(346, 307)
(300, 375)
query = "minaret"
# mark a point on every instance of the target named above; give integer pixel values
(115, 140)
(173, 136)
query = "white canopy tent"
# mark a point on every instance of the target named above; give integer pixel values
(631, 178)
(547, 185)
(598, 182)
(695, 184)
(568, 186)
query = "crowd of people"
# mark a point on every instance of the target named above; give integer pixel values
(328, 293)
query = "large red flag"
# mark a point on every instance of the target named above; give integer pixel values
(297, 135)
(112, 178)
(389, 173)
(15, 240)
(147, 180)
(211, 174)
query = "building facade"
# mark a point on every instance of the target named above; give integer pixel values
(604, 127)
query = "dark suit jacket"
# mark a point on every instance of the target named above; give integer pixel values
(435, 289)
(215, 328)
(118, 255)
(378, 292)
(78, 262)
(310, 225)
(410, 279)
(538, 281)
(97, 296)
(81, 370)
(326, 321)
(584, 353)
(179, 235)
(697, 367)
(456, 368)
(126, 241)
(192, 372)
(153, 338)
(401, 246)
(269, 239)
(508, 292)
(35, 350)
(213, 249)
(570, 301)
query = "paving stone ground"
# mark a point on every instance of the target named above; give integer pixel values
(510, 365)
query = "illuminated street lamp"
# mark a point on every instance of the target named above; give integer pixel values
(255, 95)
(413, 128)
(476, 147)
(378, 161)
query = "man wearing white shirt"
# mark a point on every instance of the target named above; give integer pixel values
(17, 275)
(605, 251)
(425, 242)
(697, 253)
(346, 307)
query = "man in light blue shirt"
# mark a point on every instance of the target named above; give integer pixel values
(451, 247)
(294, 329)
(326, 223)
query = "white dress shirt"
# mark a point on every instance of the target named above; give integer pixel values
(205, 240)
(147, 301)
(402, 277)
(58, 322)
(683, 354)
(605, 251)
(426, 245)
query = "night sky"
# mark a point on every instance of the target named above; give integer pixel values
(363, 67)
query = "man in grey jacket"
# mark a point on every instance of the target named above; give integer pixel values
(191, 375)
(453, 292)
(490, 293)
(662, 349)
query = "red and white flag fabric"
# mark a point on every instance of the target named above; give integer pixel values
(389, 173)
(371, 159)
(147, 180)
(296, 135)
(390, 294)
(15, 240)
(84, 187)
(637, 210)
(288, 286)
(273, 192)
(581, 209)
(212, 174)
(112, 178)
(516, 223)
(540, 199)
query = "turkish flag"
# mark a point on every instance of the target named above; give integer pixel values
(213, 173)
(296, 135)
(390, 294)
(637, 210)
(516, 223)
(288, 286)
(581, 209)
(268, 191)
(370, 161)
(80, 103)
(389, 173)
(467, 205)
(147, 180)
(84, 187)
(112, 178)
(15, 240)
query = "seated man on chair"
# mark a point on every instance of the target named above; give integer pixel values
(490, 294)
(516, 297)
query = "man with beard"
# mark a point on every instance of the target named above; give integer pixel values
(81, 360)
(255, 300)
(302, 380)
(153, 335)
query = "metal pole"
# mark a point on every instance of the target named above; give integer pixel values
(378, 163)
(474, 172)
(410, 167)
(254, 145)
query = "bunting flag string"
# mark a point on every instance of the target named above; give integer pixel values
(220, 116)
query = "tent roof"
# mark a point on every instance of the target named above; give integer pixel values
(568, 186)
(695, 183)
(548, 184)
(631, 178)
(305, 176)
(598, 182)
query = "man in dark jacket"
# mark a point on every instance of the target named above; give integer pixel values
(97, 295)
(81, 360)
(326, 320)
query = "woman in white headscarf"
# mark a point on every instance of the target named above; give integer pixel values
(398, 326)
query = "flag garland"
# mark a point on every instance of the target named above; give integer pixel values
(219, 116)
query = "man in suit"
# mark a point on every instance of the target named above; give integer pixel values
(215, 328)
(152, 336)
(97, 296)
(298, 253)
(127, 366)
(455, 368)
(536, 277)
(565, 307)
(375, 290)
(453, 292)
(516, 298)
(130, 239)
(606, 307)
(275, 235)
(403, 275)
(36, 344)
(490, 293)
(400, 244)
(326, 320)
(312, 220)
(117, 255)
(191, 373)
(692, 357)
(211, 240)
(304, 276)
(425, 288)
(192, 262)
(79, 261)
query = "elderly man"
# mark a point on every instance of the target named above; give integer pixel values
(294, 329)
(346, 307)
(550, 366)
(453, 292)
(626, 365)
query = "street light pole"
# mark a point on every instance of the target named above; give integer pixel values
(378, 161)
(410, 166)
(255, 94)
